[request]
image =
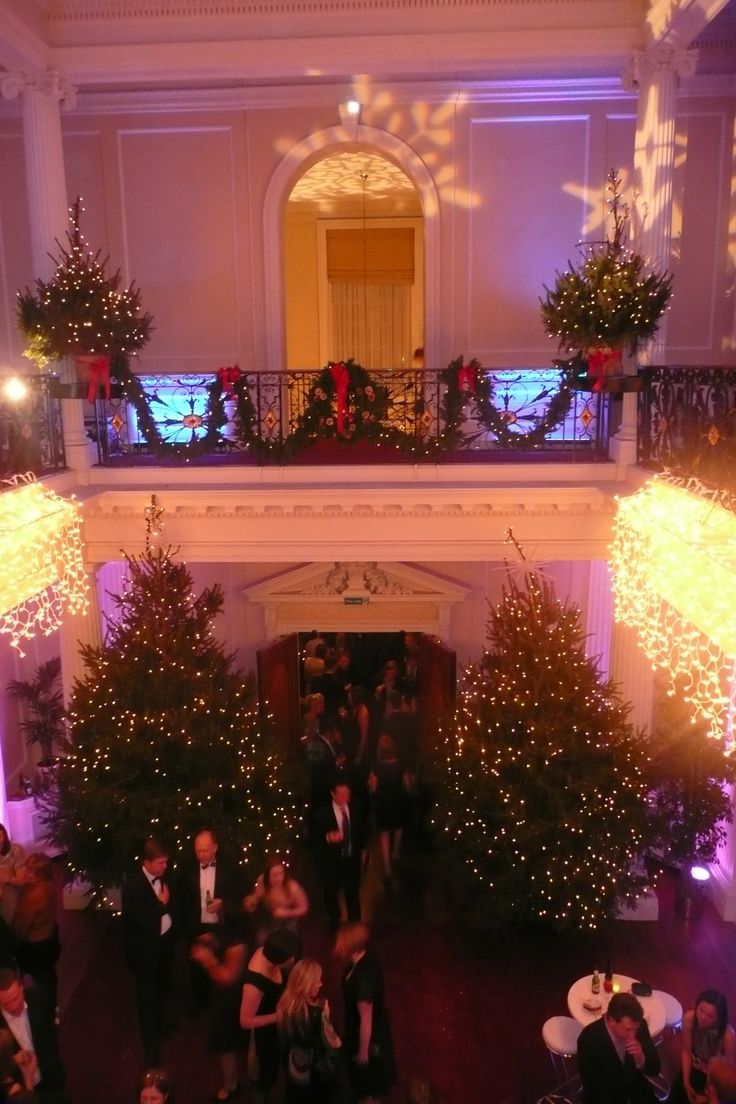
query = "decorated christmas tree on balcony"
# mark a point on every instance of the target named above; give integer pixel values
(542, 780)
(83, 313)
(609, 301)
(165, 739)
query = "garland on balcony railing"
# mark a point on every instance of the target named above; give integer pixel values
(347, 404)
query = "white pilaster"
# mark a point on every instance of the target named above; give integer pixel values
(599, 621)
(76, 629)
(632, 671)
(654, 74)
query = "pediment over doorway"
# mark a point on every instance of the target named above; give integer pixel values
(357, 596)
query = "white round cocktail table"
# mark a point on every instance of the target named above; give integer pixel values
(654, 1010)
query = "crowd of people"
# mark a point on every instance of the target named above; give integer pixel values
(269, 1022)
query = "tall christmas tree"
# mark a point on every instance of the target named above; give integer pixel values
(81, 310)
(165, 740)
(543, 801)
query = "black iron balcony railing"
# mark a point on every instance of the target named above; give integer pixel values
(687, 423)
(416, 407)
(31, 438)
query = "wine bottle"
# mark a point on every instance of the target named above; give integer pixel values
(595, 983)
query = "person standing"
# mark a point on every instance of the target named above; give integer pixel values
(35, 926)
(29, 1017)
(309, 1043)
(616, 1055)
(210, 889)
(368, 1042)
(263, 984)
(147, 929)
(340, 852)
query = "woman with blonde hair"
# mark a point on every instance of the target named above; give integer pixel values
(309, 1042)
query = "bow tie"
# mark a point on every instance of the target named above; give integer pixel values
(206, 866)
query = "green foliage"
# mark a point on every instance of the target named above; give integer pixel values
(689, 775)
(611, 297)
(81, 310)
(44, 699)
(165, 737)
(543, 780)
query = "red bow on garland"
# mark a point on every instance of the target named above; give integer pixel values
(341, 380)
(98, 373)
(467, 377)
(602, 362)
(228, 377)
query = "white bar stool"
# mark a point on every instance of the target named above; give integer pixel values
(672, 1012)
(560, 1036)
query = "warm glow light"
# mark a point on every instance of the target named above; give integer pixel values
(673, 559)
(41, 554)
(15, 389)
(699, 873)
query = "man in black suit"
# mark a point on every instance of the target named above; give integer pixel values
(210, 891)
(616, 1054)
(147, 926)
(29, 1016)
(340, 851)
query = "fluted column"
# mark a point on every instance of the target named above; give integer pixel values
(599, 620)
(655, 75)
(76, 629)
(633, 673)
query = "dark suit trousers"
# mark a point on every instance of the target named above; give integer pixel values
(153, 982)
(341, 873)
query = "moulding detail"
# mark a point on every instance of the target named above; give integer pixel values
(47, 82)
(646, 64)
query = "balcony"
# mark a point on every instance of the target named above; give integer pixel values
(412, 416)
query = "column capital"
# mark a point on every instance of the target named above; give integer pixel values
(47, 82)
(646, 64)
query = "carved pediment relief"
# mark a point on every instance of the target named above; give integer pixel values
(367, 579)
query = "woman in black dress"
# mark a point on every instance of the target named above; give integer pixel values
(368, 1043)
(310, 1044)
(263, 984)
(389, 800)
(223, 955)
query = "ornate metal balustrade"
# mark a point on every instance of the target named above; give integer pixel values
(416, 406)
(687, 423)
(31, 438)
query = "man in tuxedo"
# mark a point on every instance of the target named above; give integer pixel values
(340, 851)
(616, 1055)
(29, 1016)
(147, 927)
(210, 891)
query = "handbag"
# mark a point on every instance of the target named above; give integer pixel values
(299, 1064)
(328, 1055)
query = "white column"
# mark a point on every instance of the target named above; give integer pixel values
(112, 579)
(599, 620)
(79, 629)
(654, 74)
(42, 95)
(633, 673)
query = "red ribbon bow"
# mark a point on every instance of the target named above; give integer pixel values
(341, 380)
(98, 374)
(466, 378)
(228, 377)
(601, 363)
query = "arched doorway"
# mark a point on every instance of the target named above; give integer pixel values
(353, 260)
(356, 139)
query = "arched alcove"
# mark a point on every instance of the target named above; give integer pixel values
(298, 161)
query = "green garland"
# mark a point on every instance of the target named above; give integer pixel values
(365, 405)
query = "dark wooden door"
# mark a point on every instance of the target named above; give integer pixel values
(278, 685)
(436, 691)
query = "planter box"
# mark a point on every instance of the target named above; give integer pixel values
(614, 385)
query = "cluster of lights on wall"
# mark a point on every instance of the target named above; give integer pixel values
(673, 560)
(41, 551)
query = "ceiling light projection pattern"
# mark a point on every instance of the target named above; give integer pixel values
(673, 560)
(41, 551)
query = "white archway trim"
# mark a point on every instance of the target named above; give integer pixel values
(300, 158)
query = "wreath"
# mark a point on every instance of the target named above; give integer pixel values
(344, 403)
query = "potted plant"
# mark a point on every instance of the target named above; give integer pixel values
(45, 723)
(610, 301)
(84, 314)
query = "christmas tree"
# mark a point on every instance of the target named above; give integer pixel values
(543, 801)
(164, 739)
(81, 310)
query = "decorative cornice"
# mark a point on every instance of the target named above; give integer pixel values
(646, 64)
(47, 82)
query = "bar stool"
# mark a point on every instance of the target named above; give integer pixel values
(560, 1036)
